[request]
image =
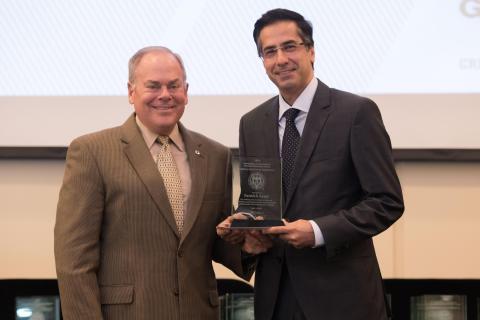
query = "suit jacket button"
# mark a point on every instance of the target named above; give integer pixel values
(180, 253)
(175, 292)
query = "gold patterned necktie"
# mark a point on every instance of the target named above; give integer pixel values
(171, 179)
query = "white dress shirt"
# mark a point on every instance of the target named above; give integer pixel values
(302, 103)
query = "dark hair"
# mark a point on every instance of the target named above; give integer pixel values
(305, 30)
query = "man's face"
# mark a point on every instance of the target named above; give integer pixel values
(159, 91)
(290, 71)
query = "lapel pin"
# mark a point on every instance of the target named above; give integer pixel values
(197, 152)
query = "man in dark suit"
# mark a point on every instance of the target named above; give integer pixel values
(135, 227)
(339, 182)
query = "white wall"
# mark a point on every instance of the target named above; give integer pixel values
(412, 120)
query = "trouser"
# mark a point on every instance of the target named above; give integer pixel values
(286, 306)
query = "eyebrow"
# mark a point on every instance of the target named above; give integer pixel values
(152, 82)
(158, 82)
(281, 44)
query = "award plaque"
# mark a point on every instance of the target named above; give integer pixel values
(257, 184)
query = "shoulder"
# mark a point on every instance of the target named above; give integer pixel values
(351, 99)
(207, 143)
(260, 110)
(86, 153)
(99, 139)
(353, 106)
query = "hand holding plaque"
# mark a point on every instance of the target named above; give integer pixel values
(260, 194)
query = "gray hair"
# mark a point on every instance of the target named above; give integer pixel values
(137, 57)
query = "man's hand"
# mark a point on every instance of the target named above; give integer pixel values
(256, 242)
(229, 235)
(298, 233)
(252, 241)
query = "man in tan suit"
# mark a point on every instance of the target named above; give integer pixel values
(135, 229)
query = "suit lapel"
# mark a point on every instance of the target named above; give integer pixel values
(271, 139)
(316, 119)
(270, 130)
(139, 156)
(197, 160)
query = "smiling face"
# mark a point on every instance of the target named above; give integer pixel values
(159, 91)
(290, 71)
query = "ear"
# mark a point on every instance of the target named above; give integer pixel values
(312, 55)
(186, 93)
(131, 89)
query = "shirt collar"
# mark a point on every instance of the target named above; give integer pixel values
(150, 137)
(303, 102)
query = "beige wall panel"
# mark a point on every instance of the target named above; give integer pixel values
(438, 236)
(384, 247)
(28, 198)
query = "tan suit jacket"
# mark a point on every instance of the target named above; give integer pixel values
(118, 252)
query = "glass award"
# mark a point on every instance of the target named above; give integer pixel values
(257, 185)
(37, 307)
(478, 306)
(438, 307)
(236, 306)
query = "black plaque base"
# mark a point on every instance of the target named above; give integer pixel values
(255, 224)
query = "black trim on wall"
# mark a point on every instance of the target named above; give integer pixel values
(436, 155)
(446, 155)
(35, 153)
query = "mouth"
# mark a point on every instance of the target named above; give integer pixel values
(162, 108)
(285, 72)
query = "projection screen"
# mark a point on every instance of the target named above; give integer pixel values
(64, 64)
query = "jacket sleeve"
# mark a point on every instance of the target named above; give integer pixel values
(77, 234)
(381, 203)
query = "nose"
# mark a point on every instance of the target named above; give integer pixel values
(281, 57)
(164, 94)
